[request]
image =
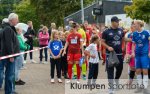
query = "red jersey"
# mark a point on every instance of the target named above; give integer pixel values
(87, 39)
(74, 40)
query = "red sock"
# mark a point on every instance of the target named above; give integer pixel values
(78, 71)
(86, 62)
(70, 70)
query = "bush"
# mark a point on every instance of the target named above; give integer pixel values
(36, 42)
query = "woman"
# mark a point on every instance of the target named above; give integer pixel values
(74, 44)
(43, 42)
(141, 53)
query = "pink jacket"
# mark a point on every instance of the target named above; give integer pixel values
(43, 38)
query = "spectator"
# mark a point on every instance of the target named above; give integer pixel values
(10, 46)
(52, 28)
(30, 34)
(19, 59)
(43, 42)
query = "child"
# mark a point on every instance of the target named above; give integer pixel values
(64, 62)
(55, 48)
(20, 59)
(130, 59)
(43, 41)
(92, 52)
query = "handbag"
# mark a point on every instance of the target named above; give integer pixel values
(113, 59)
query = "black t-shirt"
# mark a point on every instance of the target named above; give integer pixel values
(113, 38)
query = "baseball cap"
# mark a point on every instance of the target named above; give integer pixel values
(114, 19)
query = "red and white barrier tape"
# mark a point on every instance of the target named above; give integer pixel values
(17, 54)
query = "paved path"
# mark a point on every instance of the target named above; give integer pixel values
(37, 77)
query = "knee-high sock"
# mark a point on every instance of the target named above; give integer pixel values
(132, 74)
(70, 70)
(139, 80)
(84, 69)
(74, 69)
(78, 71)
(145, 81)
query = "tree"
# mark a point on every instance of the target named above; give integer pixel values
(55, 10)
(6, 7)
(27, 12)
(140, 9)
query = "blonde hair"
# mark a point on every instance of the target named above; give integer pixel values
(53, 25)
(18, 29)
(45, 28)
(60, 29)
(53, 33)
(66, 33)
(141, 23)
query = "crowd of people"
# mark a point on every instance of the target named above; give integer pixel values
(74, 49)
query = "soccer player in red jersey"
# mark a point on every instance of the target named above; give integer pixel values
(74, 44)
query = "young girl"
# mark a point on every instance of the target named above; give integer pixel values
(63, 58)
(128, 55)
(20, 59)
(92, 52)
(43, 41)
(55, 48)
(74, 44)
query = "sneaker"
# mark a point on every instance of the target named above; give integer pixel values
(33, 61)
(146, 91)
(68, 81)
(45, 62)
(15, 92)
(59, 81)
(52, 81)
(130, 82)
(20, 82)
(23, 68)
(65, 76)
(40, 62)
(25, 62)
(84, 77)
(74, 77)
(78, 82)
(139, 90)
(0, 88)
(111, 91)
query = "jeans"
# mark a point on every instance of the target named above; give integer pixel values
(9, 75)
(55, 62)
(41, 53)
(1, 75)
(31, 56)
(18, 66)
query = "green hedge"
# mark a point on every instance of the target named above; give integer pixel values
(36, 42)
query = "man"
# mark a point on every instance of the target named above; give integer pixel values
(30, 35)
(10, 45)
(5, 22)
(112, 39)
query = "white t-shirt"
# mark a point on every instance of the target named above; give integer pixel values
(92, 48)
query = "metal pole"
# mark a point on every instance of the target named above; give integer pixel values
(82, 11)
